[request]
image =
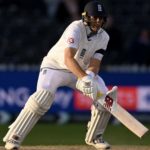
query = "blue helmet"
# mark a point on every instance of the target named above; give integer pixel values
(94, 8)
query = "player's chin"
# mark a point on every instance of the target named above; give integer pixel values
(95, 28)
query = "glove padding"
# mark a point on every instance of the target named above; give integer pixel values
(88, 86)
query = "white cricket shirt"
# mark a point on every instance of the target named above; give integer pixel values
(75, 36)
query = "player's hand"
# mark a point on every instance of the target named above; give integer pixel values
(87, 85)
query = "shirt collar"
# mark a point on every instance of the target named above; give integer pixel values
(90, 34)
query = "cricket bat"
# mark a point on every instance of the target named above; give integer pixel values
(110, 103)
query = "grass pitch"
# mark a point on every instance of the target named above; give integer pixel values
(71, 137)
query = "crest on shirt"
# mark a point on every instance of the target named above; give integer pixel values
(82, 54)
(70, 40)
(99, 7)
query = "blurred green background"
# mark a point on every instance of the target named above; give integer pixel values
(74, 134)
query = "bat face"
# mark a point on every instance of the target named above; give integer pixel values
(110, 104)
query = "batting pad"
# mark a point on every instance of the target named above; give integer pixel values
(36, 106)
(97, 124)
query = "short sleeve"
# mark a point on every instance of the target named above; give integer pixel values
(99, 54)
(101, 48)
(72, 36)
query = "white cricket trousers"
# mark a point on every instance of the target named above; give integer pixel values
(51, 79)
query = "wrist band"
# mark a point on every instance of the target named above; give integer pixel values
(91, 73)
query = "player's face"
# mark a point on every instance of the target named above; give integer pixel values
(96, 23)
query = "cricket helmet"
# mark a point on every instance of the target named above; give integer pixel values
(93, 8)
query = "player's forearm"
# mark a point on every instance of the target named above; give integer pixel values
(94, 66)
(94, 70)
(74, 67)
(72, 64)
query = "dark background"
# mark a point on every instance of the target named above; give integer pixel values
(28, 31)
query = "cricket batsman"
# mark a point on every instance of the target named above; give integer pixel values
(74, 61)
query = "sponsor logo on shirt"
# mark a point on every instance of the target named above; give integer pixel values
(82, 53)
(70, 40)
